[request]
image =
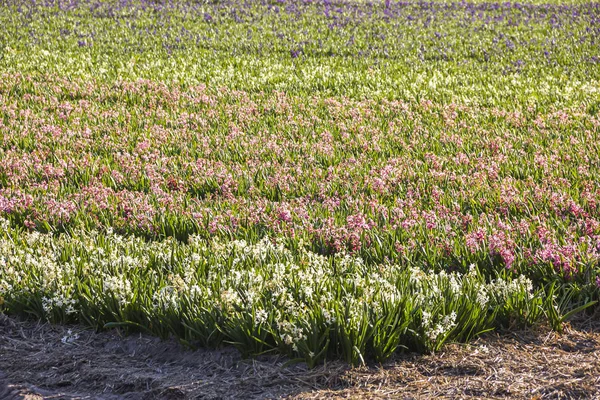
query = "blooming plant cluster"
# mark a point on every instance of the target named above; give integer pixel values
(477, 52)
(260, 297)
(319, 178)
(391, 181)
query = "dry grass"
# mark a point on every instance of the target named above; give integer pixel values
(536, 364)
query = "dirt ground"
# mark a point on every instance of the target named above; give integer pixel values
(42, 361)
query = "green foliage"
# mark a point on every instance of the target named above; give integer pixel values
(326, 180)
(260, 297)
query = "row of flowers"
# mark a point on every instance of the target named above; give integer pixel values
(414, 183)
(260, 297)
(468, 52)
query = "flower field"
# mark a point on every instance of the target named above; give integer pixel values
(323, 179)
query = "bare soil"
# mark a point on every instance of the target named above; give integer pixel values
(43, 361)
